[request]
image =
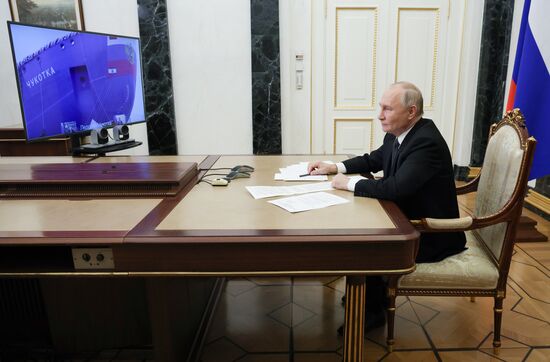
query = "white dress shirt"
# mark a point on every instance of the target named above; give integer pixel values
(352, 182)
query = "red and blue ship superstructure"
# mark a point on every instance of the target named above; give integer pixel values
(78, 82)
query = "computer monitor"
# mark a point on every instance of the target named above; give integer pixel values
(71, 82)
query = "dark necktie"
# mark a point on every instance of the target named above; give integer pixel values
(394, 155)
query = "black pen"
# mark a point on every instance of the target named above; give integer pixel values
(304, 175)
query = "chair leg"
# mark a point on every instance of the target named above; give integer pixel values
(498, 323)
(392, 289)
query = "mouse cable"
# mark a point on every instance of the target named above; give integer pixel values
(214, 174)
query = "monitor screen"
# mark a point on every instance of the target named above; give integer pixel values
(71, 82)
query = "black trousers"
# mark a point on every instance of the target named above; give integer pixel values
(376, 299)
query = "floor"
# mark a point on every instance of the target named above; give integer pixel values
(295, 319)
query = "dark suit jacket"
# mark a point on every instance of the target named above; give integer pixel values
(422, 185)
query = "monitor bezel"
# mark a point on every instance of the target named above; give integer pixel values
(17, 80)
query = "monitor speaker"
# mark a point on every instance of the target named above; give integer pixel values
(99, 136)
(121, 133)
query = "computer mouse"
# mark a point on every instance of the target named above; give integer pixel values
(243, 168)
(219, 182)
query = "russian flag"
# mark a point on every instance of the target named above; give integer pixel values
(530, 88)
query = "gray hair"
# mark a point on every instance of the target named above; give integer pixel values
(412, 96)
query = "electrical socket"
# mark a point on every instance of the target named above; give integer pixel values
(93, 258)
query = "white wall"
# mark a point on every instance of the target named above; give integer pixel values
(295, 38)
(469, 67)
(210, 47)
(10, 112)
(104, 16)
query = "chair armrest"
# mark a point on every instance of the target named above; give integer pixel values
(430, 225)
(442, 224)
(469, 187)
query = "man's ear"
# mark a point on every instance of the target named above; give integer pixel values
(412, 112)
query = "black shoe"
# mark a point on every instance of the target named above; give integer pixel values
(372, 321)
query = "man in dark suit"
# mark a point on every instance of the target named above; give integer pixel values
(418, 177)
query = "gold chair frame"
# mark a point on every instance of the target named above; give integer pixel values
(510, 213)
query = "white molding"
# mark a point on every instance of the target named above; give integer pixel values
(318, 84)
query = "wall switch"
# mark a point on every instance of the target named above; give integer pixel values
(299, 68)
(93, 258)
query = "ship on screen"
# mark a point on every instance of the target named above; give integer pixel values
(76, 83)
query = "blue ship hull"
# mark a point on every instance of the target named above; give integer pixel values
(79, 82)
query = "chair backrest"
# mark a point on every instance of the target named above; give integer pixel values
(503, 181)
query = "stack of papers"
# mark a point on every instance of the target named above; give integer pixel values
(317, 200)
(293, 173)
(261, 192)
(312, 199)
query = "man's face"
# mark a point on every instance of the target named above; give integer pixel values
(394, 116)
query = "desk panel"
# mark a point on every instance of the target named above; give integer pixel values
(224, 231)
(233, 208)
(73, 215)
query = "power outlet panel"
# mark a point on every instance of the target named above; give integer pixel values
(93, 258)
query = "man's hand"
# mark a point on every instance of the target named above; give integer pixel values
(321, 168)
(340, 182)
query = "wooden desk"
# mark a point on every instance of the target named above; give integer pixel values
(223, 231)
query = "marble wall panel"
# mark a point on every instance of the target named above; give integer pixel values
(493, 65)
(157, 74)
(266, 89)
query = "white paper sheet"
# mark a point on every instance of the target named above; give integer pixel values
(293, 173)
(317, 200)
(280, 177)
(261, 192)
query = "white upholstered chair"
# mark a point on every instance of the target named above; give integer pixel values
(481, 270)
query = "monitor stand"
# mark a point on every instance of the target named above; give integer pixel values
(101, 149)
